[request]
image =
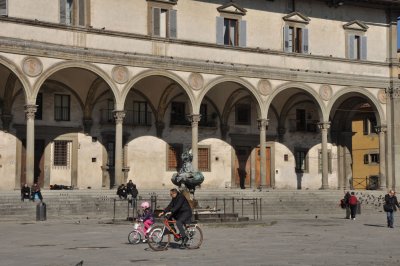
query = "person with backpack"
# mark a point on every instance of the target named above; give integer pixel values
(390, 206)
(345, 204)
(353, 205)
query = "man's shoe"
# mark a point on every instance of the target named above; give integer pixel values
(184, 242)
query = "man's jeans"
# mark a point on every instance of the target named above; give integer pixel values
(390, 219)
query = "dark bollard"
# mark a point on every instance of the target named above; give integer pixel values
(41, 212)
(358, 208)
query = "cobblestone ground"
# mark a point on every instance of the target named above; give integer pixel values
(295, 240)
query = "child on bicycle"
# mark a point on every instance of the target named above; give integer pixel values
(147, 216)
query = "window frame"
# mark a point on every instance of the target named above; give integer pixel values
(305, 160)
(238, 111)
(182, 120)
(39, 107)
(137, 118)
(4, 11)
(171, 20)
(61, 153)
(369, 124)
(178, 149)
(207, 167)
(78, 17)
(55, 107)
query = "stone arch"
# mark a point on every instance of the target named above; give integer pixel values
(261, 110)
(381, 118)
(162, 73)
(21, 77)
(323, 114)
(73, 64)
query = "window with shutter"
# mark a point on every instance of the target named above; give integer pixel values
(356, 47)
(74, 12)
(163, 21)
(295, 40)
(3, 8)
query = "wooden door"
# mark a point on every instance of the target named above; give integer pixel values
(242, 166)
(267, 167)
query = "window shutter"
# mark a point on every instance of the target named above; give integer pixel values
(82, 13)
(286, 47)
(363, 48)
(63, 6)
(172, 23)
(220, 30)
(366, 159)
(156, 21)
(3, 7)
(304, 41)
(350, 46)
(242, 33)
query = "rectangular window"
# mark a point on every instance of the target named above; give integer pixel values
(204, 159)
(141, 116)
(3, 7)
(356, 47)
(61, 153)
(301, 120)
(372, 158)
(174, 153)
(295, 39)
(301, 161)
(232, 32)
(110, 153)
(39, 110)
(163, 22)
(178, 116)
(243, 114)
(329, 161)
(369, 125)
(61, 107)
(74, 12)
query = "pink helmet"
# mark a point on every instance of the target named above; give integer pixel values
(145, 205)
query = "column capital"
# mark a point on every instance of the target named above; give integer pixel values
(30, 110)
(324, 125)
(393, 92)
(262, 123)
(381, 129)
(119, 116)
(194, 118)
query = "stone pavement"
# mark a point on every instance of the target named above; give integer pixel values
(295, 240)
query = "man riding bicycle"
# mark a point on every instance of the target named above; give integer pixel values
(180, 210)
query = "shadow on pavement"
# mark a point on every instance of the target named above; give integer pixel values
(375, 225)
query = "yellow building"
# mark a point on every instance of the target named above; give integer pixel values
(365, 150)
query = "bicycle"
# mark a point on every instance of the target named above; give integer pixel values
(159, 236)
(138, 234)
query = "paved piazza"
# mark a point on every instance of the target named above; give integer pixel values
(297, 240)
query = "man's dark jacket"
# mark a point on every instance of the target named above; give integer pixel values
(180, 209)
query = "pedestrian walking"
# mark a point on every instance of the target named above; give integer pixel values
(353, 205)
(390, 207)
(346, 204)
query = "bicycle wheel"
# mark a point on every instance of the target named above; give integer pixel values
(195, 235)
(134, 237)
(157, 239)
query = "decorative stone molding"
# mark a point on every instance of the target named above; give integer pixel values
(355, 25)
(196, 81)
(382, 96)
(30, 111)
(120, 74)
(264, 87)
(119, 116)
(32, 66)
(232, 8)
(325, 92)
(297, 17)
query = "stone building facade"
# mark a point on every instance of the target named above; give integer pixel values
(94, 93)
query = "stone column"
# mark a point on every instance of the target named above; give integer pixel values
(119, 118)
(195, 119)
(382, 156)
(395, 95)
(30, 111)
(324, 126)
(262, 126)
